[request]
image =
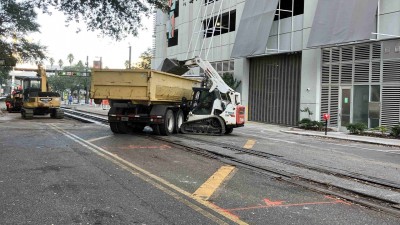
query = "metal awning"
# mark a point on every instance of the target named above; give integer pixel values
(254, 28)
(342, 21)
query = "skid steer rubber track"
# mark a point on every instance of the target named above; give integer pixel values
(213, 125)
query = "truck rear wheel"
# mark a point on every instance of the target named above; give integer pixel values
(119, 127)
(114, 127)
(179, 120)
(123, 127)
(168, 126)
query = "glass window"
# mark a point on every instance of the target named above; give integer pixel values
(173, 41)
(174, 7)
(35, 84)
(232, 65)
(206, 2)
(361, 104)
(375, 93)
(286, 8)
(221, 24)
(219, 67)
(226, 66)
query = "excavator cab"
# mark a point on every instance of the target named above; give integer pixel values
(31, 87)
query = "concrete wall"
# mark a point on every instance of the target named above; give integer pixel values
(310, 70)
(389, 18)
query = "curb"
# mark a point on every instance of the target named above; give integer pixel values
(339, 138)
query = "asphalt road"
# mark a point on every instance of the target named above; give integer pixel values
(67, 172)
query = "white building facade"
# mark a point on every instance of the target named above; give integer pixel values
(340, 57)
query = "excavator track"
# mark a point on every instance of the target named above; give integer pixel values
(214, 125)
(27, 113)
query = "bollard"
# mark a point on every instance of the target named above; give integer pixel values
(326, 118)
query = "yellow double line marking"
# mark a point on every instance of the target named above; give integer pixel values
(156, 181)
(211, 185)
(249, 144)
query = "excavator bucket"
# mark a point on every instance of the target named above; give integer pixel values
(173, 66)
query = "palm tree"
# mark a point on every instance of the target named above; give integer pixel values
(51, 62)
(70, 58)
(60, 63)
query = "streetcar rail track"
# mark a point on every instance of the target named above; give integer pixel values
(331, 171)
(348, 194)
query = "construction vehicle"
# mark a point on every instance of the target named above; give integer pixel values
(14, 101)
(37, 99)
(168, 103)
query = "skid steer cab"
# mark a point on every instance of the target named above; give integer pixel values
(212, 112)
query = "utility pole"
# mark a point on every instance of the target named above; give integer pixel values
(86, 82)
(130, 50)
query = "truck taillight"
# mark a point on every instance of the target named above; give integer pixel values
(240, 114)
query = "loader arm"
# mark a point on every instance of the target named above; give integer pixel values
(217, 82)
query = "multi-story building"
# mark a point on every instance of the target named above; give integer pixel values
(340, 57)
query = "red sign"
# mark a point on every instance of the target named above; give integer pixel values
(97, 64)
(327, 116)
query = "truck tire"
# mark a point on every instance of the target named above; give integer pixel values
(156, 129)
(114, 127)
(179, 120)
(123, 127)
(168, 126)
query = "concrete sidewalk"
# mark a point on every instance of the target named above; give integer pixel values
(98, 109)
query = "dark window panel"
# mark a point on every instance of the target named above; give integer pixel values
(206, 2)
(224, 23)
(173, 41)
(287, 5)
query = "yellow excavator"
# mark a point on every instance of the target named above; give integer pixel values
(38, 100)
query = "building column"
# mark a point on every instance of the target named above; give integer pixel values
(310, 90)
(242, 70)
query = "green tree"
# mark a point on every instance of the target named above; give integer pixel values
(126, 63)
(51, 60)
(70, 58)
(17, 21)
(231, 81)
(145, 60)
(74, 84)
(113, 18)
(58, 83)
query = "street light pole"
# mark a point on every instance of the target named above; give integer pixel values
(130, 50)
(86, 82)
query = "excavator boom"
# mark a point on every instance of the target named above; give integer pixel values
(42, 74)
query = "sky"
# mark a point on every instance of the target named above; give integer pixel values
(61, 41)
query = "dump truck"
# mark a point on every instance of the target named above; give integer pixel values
(168, 103)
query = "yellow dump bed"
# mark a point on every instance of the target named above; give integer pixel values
(140, 86)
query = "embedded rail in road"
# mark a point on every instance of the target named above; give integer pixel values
(353, 195)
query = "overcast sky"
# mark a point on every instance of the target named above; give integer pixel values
(62, 40)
